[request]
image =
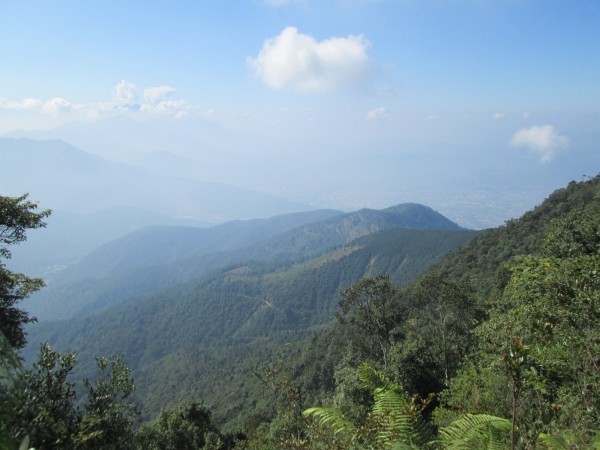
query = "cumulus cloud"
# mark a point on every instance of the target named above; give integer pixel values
(498, 116)
(300, 62)
(124, 99)
(375, 113)
(544, 141)
(158, 93)
(125, 93)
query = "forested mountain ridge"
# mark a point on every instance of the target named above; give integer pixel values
(157, 257)
(480, 260)
(506, 325)
(502, 354)
(248, 303)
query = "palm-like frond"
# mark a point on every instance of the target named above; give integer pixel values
(371, 378)
(476, 431)
(332, 417)
(552, 442)
(397, 420)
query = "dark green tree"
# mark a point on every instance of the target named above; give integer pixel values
(185, 426)
(17, 215)
(368, 308)
(539, 351)
(46, 410)
(438, 332)
(108, 414)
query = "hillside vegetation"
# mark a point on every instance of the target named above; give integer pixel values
(395, 338)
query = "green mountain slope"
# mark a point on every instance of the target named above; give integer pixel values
(159, 257)
(480, 260)
(247, 304)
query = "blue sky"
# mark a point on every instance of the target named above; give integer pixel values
(425, 86)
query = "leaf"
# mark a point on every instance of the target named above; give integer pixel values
(476, 431)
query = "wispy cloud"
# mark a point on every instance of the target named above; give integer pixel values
(375, 113)
(55, 105)
(543, 140)
(158, 93)
(300, 62)
(498, 116)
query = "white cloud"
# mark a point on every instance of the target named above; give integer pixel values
(60, 105)
(543, 140)
(125, 99)
(125, 93)
(526, 115)
(56, 105)
(298, 61)
(158, 93)
(375, 113)
(498, 116)
(25, 104)
(165, 107)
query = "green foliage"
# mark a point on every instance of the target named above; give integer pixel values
(288, 425)
(539, 351)
(11, 373)
(186, 425)
(438, 333)
(479, 431)
(233, 321)
(395, 421)
(108, 415)
(46, 410)
(367, 306)
(17, 215)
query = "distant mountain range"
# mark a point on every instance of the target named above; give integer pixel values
(68, 179)
(157, 257)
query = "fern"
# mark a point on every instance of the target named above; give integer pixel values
(332, 417)
(476, 431)
(552, 442)
(372, 378)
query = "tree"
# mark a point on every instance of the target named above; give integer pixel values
(46, 410)
(541, 342)
(438, 334)
(108, 416)
(17, 215)
(368, 307)
(187, 425)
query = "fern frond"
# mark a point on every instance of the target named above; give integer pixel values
(476, 431)
(552, 442)
(371, 378)
(332, 417)
(387, 400)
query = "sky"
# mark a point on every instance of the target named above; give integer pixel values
(340, 103)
